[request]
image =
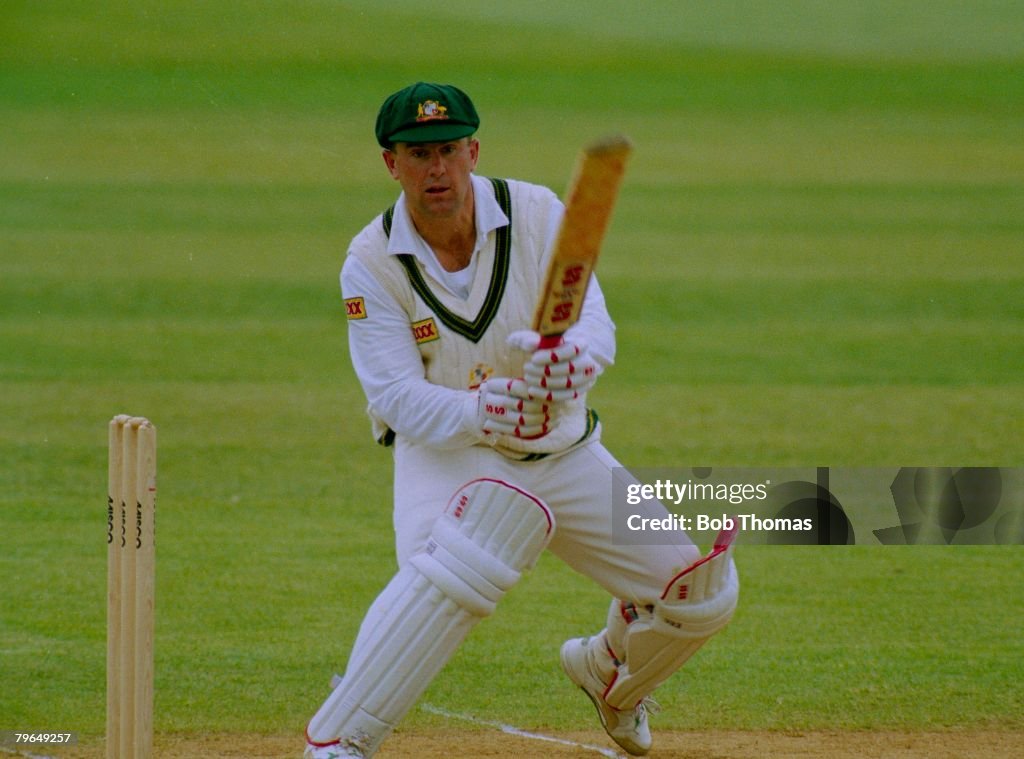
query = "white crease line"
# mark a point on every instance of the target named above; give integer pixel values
(512, 730)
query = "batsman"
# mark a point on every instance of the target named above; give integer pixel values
(481, 396)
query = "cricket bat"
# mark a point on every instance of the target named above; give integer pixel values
(588, 208)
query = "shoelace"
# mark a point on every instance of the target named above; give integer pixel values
(649, 705)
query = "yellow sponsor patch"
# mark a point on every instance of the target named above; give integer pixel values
(355, 308)
(425, 331)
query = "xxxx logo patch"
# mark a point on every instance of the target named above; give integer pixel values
(425, 331)
(355, 308)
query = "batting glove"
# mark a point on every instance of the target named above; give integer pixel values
(505, 408)
(562, 373)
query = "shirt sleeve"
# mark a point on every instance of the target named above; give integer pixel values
(595, 327)
(390, 369)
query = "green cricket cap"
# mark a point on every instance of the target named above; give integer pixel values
(426, 112)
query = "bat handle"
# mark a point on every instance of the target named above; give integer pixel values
(548, 342)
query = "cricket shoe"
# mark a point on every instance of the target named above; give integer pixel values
(627, 727)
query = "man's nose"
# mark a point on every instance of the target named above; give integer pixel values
(437, 164)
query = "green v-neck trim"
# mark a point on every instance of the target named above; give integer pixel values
(475, 329)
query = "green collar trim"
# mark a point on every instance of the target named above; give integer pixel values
(475, 329)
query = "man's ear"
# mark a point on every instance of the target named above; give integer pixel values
(389, 161)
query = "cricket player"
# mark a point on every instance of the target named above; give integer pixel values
(497, 455)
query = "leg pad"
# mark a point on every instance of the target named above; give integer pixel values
(490, 533)
(655, 642)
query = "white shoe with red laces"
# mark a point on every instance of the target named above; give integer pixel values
(627, 727)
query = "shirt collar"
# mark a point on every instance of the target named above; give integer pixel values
(489, 216)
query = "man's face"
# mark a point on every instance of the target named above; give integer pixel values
(435, 176)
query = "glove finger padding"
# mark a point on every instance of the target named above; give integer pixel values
(517, 388)
(505, 408)
(560, 354)
(562, 373)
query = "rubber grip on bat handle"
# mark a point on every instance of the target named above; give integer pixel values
(547, 342)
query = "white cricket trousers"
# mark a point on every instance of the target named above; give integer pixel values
(576, 486)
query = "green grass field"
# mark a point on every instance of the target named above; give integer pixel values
(817, 259)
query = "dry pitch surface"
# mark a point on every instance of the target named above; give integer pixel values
(470, 744)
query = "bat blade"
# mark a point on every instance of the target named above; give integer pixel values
(588, 209)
